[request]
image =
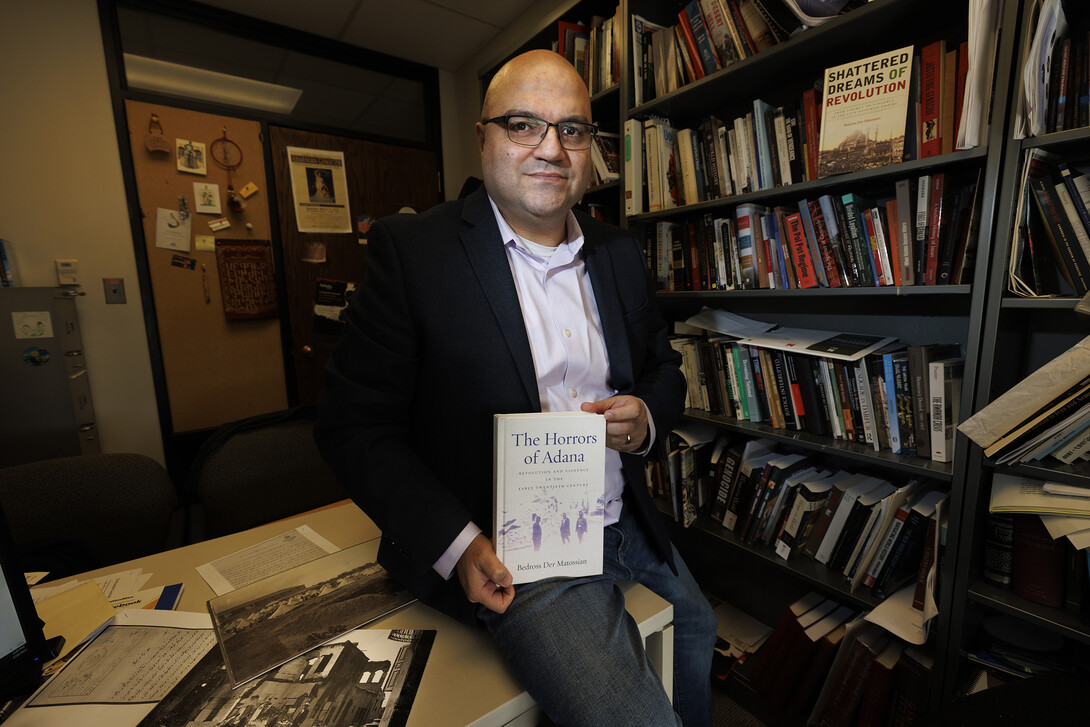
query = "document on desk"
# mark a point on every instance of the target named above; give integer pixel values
(138, 659)
(265, 559)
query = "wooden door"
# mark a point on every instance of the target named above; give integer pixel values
(382, 178)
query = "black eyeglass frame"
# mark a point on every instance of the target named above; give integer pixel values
(505, 119)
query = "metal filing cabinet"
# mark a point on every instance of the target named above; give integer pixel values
(45, 391)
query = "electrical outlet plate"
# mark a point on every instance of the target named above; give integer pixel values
(114, 289)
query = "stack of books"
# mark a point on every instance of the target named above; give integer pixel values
(1046, 416)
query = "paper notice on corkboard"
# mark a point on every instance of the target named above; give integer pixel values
(247, 278)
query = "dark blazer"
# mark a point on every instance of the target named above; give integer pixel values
(434, 345)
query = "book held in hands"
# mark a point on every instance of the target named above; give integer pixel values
(549, 473)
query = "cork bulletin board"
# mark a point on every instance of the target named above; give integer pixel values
(217, 368)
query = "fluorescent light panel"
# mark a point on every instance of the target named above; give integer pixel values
(174, 79)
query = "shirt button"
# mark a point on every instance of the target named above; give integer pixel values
(567, 332)
(574, 393)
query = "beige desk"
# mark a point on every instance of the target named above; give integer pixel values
(465, 682)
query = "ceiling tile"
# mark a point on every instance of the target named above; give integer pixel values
(436, 36)
(321, 17)
(499, 13)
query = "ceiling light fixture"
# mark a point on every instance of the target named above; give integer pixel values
(150, 74)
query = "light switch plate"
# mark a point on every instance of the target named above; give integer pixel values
(67, 272)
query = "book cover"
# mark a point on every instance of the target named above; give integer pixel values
(1037, 563)
(818, 623)
(865, 103)
(786, 629)
(874, 705)
(849, 676)
(801, 700)
(549, 471)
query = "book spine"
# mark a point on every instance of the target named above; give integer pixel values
(633, 167)
(800, 252)
(923, 208)
(693, 63)
(828, 254)
(904, 404)
(709, 59)
(934, 228)
(906, 230)
(931, 60)
(816, 258)
(886, 549)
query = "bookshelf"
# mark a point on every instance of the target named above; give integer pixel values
(914, 314)
(1020, 335)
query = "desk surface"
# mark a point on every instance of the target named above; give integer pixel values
(465, 682)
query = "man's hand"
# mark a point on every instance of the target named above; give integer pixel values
(626, 421)
(485, 579)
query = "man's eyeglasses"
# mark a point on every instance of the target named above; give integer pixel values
(531, 131)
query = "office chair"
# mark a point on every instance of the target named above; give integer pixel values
(257, 470)
(72, 514)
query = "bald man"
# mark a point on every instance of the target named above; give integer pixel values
(510, 301)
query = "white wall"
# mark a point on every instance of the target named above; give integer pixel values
(62, 196)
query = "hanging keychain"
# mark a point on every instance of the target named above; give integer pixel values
(228, 155)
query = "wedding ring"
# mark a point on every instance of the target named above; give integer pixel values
(628, 439)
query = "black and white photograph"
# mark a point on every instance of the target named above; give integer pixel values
(269, 622)
(365, 677)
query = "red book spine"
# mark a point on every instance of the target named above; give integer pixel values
(810, 117)
(931, 58)
(934, 229)
(880, 273)
(690, 43)
(959, 99)
(800, 252)
(821, 232)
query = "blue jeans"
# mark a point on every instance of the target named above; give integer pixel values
(579, 654)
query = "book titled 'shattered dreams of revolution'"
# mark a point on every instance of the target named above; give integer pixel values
(549, 471)
(864, 110)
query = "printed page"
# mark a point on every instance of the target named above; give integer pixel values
(265, 559)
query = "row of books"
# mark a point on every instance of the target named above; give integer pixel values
(924, 235)
(879, 535)
(1046, 415)
(8, 278)
(900, 398)
(772, 146)
(1051, 254)
(709, 35)
(767, 147)
(594, 50)
(825, 662)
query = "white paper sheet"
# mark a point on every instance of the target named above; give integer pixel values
(265, 559)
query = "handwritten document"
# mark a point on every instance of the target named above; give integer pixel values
(265, 559)
(128, 665)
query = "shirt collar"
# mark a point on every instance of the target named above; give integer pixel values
(574, 239)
